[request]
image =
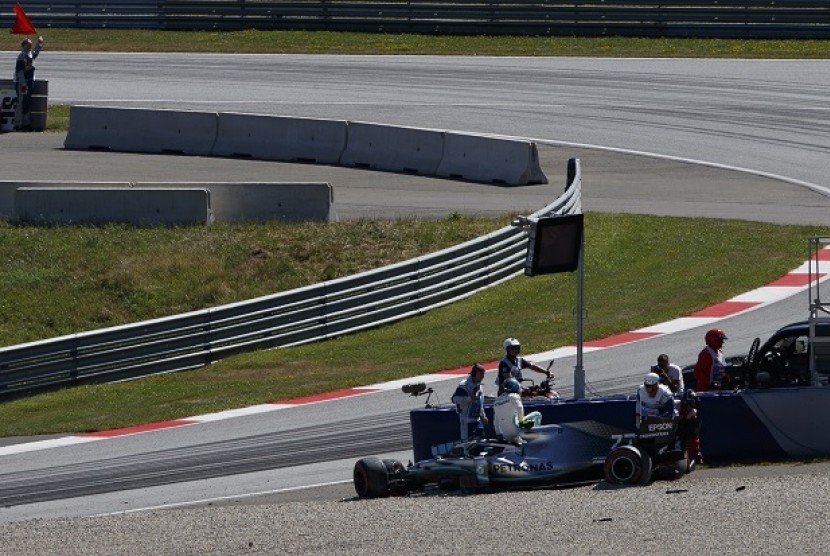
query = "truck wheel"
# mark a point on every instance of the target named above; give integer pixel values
(624, 466)
(370, 478)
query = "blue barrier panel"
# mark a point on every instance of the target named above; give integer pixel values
(730, 431)
(763, 424)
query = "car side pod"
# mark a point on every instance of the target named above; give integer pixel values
(627, 465)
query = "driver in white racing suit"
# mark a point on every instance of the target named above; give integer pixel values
(469, 404)
(509, 417)
(654, 399)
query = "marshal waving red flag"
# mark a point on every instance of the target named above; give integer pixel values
(22, 25)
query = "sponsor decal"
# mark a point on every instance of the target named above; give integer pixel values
(656, 434)
(524, 467)
(8, 106)
(620, 439)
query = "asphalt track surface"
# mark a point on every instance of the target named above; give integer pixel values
(613, 180)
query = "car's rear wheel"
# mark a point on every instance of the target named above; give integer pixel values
(646, 468)
(624, 466)
(371, 479)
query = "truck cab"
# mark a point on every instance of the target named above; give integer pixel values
(797, 354)
(785, 358)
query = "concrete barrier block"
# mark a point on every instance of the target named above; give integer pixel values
(139, 130)
(396, 149)
(259, 202)
(98, 205)
(8, 188)
(280, 138)
(490, 160)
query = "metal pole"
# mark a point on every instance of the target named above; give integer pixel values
(579, 371)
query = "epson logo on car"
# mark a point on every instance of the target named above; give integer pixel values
(659, 427)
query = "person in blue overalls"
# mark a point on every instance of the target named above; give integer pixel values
(469, 404)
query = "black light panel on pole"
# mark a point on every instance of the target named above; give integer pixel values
(554, 244)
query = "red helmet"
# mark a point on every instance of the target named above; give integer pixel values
(715, 338)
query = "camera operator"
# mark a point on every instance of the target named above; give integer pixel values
(670, 374)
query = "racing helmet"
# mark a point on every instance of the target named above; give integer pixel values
(512, 385)
(715, 337)
(509, 343)
(651, 379)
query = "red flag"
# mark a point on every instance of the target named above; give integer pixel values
(22, 25)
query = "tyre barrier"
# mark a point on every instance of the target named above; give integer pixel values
(39, 108)
(400, 149)
(9, 105)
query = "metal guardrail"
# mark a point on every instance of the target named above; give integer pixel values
(299, 316)
(804, 19)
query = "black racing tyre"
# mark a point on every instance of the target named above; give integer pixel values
(371, 479)
(646, 469)
(624, 466)
(679, 468)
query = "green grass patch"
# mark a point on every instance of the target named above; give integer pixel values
(62, 280)
(634, 276)
(328, 42)
(57, 117)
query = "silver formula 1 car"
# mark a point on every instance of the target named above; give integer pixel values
(654, 452)
(548, 456)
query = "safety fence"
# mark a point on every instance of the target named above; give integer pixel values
(299, 316)
(804, 19)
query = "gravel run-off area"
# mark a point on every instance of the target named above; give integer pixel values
(780, 509)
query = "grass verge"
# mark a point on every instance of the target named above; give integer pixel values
(634, 277)
(327, 42)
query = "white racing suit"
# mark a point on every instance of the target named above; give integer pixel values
(469, 405)
(661, 404)
(509, 417)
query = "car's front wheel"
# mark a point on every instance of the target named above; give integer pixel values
(371, 479)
